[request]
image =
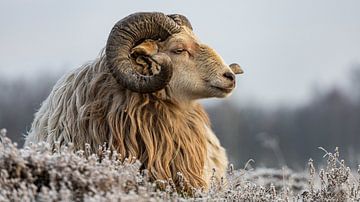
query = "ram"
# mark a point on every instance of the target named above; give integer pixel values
(140, 97)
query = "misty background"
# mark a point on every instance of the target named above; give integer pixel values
(300, 90)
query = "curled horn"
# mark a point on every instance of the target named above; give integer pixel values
(181, 20)
(129, 32)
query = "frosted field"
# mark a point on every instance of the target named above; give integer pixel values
(36, 174)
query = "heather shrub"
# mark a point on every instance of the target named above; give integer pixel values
(38, 173)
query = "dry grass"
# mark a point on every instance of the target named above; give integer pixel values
(38, 174)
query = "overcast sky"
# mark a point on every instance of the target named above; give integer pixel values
(285, 47)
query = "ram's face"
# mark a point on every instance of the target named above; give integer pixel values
(198, 71)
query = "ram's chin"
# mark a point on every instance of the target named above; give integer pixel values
(224, 95)
(220, 92)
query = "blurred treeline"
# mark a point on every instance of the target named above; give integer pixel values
(272, 137)
(19, 100)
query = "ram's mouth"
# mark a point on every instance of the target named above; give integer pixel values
(223, 89)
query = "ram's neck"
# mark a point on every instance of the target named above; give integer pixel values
(166, 136)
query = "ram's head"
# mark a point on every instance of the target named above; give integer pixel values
(148, 51)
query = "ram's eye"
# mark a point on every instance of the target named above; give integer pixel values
(178, 51)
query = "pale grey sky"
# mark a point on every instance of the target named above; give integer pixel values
(285, 47)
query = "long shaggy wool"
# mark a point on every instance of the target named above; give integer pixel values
(89, 106)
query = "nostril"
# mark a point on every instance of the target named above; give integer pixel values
(229, 75)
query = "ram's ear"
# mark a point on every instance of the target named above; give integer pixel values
(236, 68)
(142, 54)
(146, 48)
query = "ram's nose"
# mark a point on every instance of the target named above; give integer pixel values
(236, 68)
(229, 75)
